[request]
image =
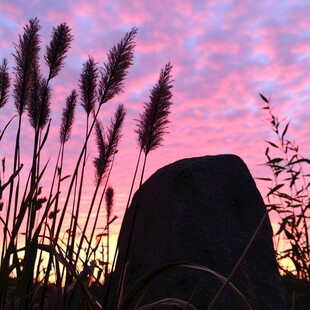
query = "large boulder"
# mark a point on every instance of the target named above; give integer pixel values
(204, 211)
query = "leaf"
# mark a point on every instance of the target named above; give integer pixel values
(263, 179)
(272, 144)
(2, 133)
(12, 177)
(111, 221)
(45, 136)
(38, 203)
(66, 177)
(61, 259)
(282, 225)
(274, 189)
(284, 195)
(139, 289)
(264, 98)
(3, 164)
(278, 170)
(53, 214)
(172, 302)
(288, 234)
(284, 131)
(101, 235)
(275, 161)
(302, 160)
(273, 207)
(294, 178)
(292, 159)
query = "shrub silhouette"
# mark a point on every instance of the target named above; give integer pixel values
(289, 198)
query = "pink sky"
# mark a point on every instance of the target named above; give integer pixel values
(224, 53)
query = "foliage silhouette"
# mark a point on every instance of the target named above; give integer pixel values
(288, 197)
(22, 255)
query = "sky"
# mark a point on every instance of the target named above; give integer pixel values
(224, 53)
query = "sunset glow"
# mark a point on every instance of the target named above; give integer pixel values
(223, 53)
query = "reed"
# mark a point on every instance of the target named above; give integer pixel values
(32, 93)
(4, 83)
(87, 84)
(151, 128)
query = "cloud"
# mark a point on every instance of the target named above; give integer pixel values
(223, 55)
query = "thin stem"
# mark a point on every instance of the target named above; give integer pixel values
(75, 175)
(87, 220)
(135, 212)
(117, 244)
(75, 221)
(98, 211)
(50, 260)
(216, 298)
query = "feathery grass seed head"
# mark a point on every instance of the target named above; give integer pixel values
(68, 117)
(57, 49)
(109, 199)
(114, 72)
(45, 101)
(154, 120)
(99, 162)
(4, 83)
(88, 84)
(26, 57)
(107, 144)
(39, 102)
(114, 131)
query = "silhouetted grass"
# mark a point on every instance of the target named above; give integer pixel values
(40, 254)
(289, 197)
(32, 93)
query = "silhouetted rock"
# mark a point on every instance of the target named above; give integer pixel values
(201, 210)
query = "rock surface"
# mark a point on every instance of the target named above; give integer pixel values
(201, 210)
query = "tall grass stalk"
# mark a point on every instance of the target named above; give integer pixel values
(25, 53)
(152, 126)
(109, 206)
(111, 83)
(39, 110)
(107, 150)
(99, 236)
(117, 244)
(88, 84)
(64, 136)
(4, 96)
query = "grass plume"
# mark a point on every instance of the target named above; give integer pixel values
(56, 51)
(4, 83)
(39, 103)
(154, 120)
(107, 148)
(113, 73)
(109, 200)
(151, 129)
(68, 117)
(88, 84)
(26, 57)
(107, 145)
